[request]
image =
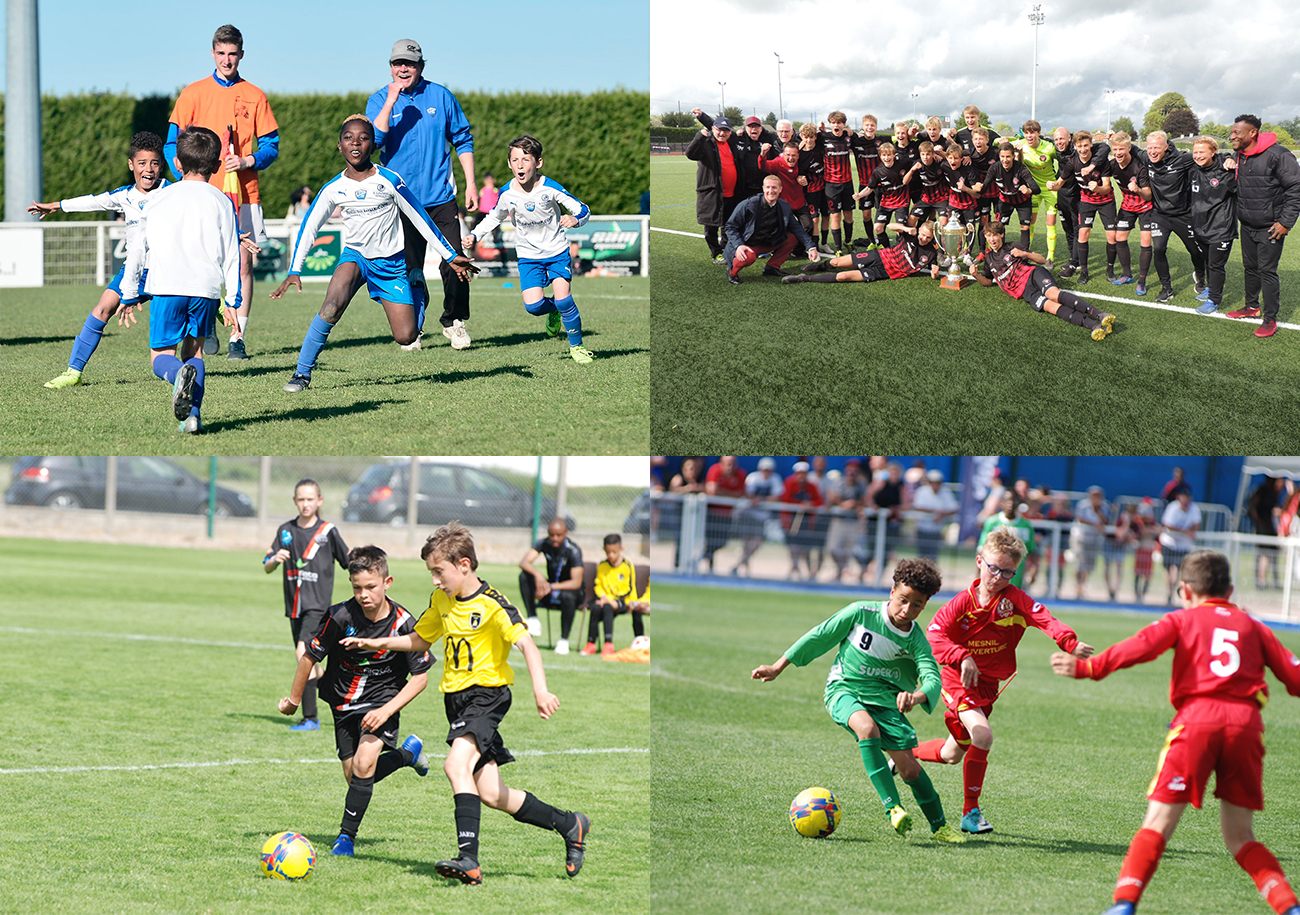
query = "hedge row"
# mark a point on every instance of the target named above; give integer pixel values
(595, 145)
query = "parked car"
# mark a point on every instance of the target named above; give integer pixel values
(144, 484)
(448, 492)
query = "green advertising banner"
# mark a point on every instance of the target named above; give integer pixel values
(604, 246)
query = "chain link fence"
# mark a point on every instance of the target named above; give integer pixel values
(774, 541)
(237, 502)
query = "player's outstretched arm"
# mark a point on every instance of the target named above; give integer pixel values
(375, 718)
(43, 209)
(547, 701)
(769, 672)
(408, 642)
(289, 704)
(293, 280)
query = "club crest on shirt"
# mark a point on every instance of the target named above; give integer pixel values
(530, 206)
(361, 193)
(352, 630)
(432, 110)
(1005, 609)
(1214, 182)
(474, 619)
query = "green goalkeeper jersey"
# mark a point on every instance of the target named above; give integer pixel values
(1040, 159)
(876, 660)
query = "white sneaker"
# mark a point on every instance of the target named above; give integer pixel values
(412, 346)
(562, 646)
(457, 334)
(534, 626)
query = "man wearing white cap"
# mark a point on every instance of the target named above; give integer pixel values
(417, 124)
(937, 506)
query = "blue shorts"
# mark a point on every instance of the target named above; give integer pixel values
(539, 273)
(385, 276)
(116, 284)
(172, 318)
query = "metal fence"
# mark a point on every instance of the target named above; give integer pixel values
(703, 535)
(237, 502)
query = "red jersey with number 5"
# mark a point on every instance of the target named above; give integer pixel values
(1220, 652)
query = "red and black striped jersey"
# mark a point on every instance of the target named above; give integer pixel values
(836, 155)
(1011, 273)
(309, 571)
(967, 144)
(909, 256)
(811, 165)
(960, 200)
(934, 190)
(981, 163)
(1008, 181)
(889, 179)
(1096, 169)
(1123, 174)
(866, 152)
(356, 679)
(906, 156)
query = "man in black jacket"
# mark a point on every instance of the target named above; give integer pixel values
(760, 225)
(719, 181)
(1268, 203)
(1169, 170)
(749, 144)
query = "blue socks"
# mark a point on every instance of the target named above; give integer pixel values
(198, 384)
(317, 334)
(419, 295)
(568, 310)
(166, 366)
(84, 346)
(544, 307)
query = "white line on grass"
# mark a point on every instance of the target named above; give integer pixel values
(56, 770)
(585, 295)
(144, 638)
(1089, 295)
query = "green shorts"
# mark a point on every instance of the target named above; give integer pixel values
(896, 732)
(1047, 197)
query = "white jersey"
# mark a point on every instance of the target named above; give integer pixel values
(536, 215)
(128, 200)
(370, 216)
(191, 240)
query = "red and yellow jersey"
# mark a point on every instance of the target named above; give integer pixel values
(477, 633)
(209, 104)
(618, 582)
(963, 629)
(1220, 652)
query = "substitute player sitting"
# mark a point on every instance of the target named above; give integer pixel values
(883, 669)
(974, 637)
(365, 689)
(914, 255)
(1021, 275)
(145, 160)
(533, 202)
(1218, 688)
(371, 197)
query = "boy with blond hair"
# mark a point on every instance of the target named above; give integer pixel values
(839, 179)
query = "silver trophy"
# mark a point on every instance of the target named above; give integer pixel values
(957, 241)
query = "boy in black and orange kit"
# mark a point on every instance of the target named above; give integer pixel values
(974, 638)
(1218, 688)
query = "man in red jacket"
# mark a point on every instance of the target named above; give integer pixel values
(1218, 688)
(974, 638)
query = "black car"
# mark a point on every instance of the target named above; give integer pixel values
(145, 484)
(448, 492)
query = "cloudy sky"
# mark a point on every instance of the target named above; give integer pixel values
(1225, 57)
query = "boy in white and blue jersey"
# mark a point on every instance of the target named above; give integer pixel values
(533, 204)
(145, 160)
(191, 240)
(371, 198)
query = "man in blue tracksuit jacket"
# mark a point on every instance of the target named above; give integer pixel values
(417, 123)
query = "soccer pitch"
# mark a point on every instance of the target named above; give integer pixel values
(1065, 789)
(147, 763)
(513, 391)
(763, 368)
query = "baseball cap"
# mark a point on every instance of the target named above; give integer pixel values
(1095, 488)
(934, 476)
(801, 466)
(407, 49)
(752, 120)
(852, 462)
(723, 123)
(766, 464)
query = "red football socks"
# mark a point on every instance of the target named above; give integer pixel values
(1139, 865)
(977, 762)
(1263, 868)
(929, 751)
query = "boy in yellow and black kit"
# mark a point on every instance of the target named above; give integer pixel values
(477, 626)
(615, 589)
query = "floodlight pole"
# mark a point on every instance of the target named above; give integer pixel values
(1036, 17)
(1109, 97)
(22, 168)
(913, 106)
(722, 110)
(780, 104)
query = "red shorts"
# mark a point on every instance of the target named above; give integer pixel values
(1226, 738)
(957, 699)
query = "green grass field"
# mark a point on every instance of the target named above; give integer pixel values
(768, 369)
(513, 391)
(146, 763)
(1065, 789)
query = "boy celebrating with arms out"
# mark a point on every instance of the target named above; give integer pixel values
(974, 637)
(882, 658)
(365, 690)
(479, 625)
(1218, 688)
(533, 204)
(192, 244)
(308, 547)
(144, 159)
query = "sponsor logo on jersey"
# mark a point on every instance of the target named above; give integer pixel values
(1177, 783)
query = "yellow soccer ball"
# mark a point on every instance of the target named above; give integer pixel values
(814, 813)
(288, 856)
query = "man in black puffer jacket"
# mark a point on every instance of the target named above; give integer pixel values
(1268, 203)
